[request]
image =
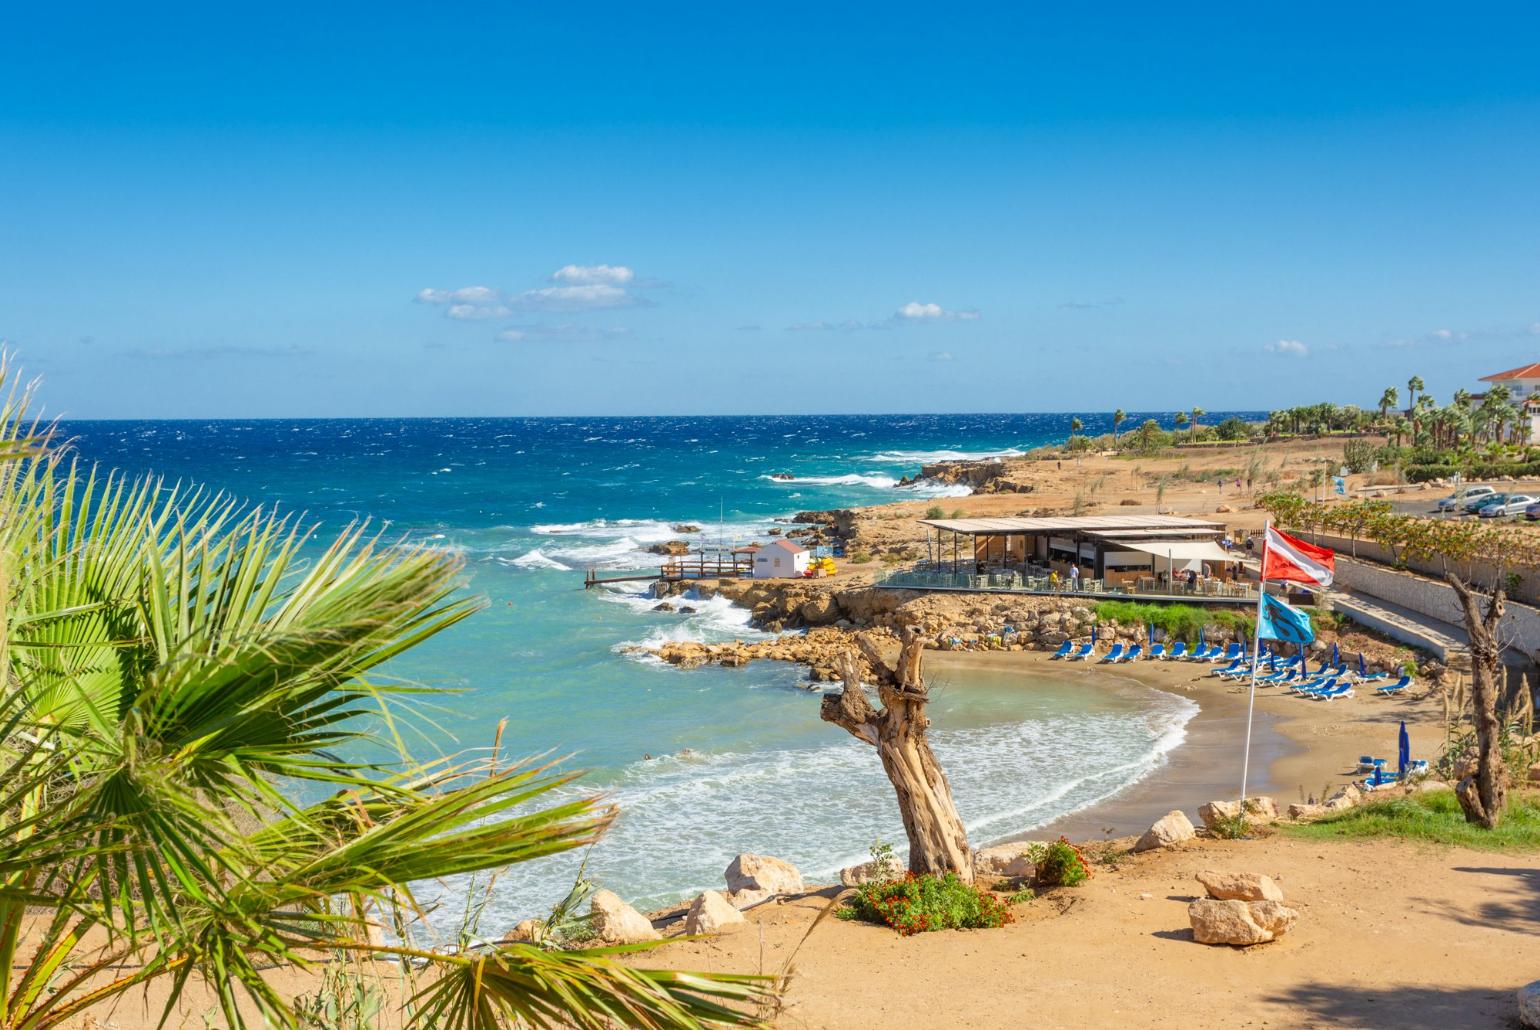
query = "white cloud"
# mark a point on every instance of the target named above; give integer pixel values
(562, 333)
(464, 295)
(915, 311)
(615, 275)
(1293, 348)
(940, 355)
(476, 312)
(849, 325)
(587, 297)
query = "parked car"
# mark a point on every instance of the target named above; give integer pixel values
(1474, 507)
(1460, 498)
(1532, 513)
(1516, 504)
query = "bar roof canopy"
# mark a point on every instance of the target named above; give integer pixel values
(1186, 550)
(1106, 525)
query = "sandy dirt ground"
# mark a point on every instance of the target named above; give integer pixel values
(1390, 935)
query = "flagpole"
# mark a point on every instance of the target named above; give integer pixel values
(1256, 660)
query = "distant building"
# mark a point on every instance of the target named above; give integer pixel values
(780, 559)
(1524, 385)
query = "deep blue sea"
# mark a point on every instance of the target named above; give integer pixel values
(738, 758)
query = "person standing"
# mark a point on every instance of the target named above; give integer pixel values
(1074, 576)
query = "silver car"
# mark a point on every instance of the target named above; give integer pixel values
(1460, 498)
(1513, 505)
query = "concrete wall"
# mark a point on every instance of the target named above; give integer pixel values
(1520, 627)
(1474, 572)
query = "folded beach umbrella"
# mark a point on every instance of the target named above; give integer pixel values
(1150, 634)
(1363, 670)
(1336, 658)
(1404, 752)
(1093, 634)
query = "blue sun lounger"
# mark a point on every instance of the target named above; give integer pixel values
(1112, 656)
(1178, 650)
(1133, 654)
(1396, 687)
(1063, 651)
(1226, 670)
(1082, 654)
(1336, 692)
(1157, 650)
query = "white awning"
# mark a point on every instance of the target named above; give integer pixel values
(1182, 550)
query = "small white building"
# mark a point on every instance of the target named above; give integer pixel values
(781, 559)
(1524, 386)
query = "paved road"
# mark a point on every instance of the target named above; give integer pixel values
(1425, 505)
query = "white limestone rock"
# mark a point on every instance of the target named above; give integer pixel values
(712, 913)
(1172, 828)
(616, 922)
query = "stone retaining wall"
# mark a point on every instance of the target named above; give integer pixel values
(1520, 626)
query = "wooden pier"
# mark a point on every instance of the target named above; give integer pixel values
(739, 565)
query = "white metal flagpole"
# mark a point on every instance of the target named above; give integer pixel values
(1256, 660)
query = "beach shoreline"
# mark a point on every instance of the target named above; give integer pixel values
(1299, 748)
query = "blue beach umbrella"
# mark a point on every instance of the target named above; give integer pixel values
(1336, 659)
(1200, 636)
(1149, 635)
(1093, 634)
(1363, 670)
(1404, 752)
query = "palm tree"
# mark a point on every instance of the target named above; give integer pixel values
(1181, 420)
(1413, 387)
(170, 662)
(1197, 413)
(1075, 426)
(1389, 399)
(1118, 418)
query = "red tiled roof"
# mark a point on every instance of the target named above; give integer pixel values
(788, 545)
(1527, 372)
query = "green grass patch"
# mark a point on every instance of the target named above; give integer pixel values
(1435, 818)
(1178, 621)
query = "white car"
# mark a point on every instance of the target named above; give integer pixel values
(1460, 498)
(1514, 505)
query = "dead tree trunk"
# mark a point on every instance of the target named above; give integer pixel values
(938, 843)
(1482, 794)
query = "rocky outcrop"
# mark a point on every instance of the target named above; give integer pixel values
(1258, 810)
(524, 932)
(1529, 1005)
(1172, 828)
(1239, 923)
(1344, 798)
(671, 548)
(866, 872)
(615, 922)
(1240, 886)
(762, 873)
(1008, 860)
(711, 912)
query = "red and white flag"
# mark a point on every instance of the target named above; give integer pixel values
(1288, 558)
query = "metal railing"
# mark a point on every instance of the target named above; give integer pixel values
(1010, 581)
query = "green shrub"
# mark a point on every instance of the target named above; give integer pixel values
(935, 512)
(1434, 818)
(1061, 864)
(1231, 828)
(918, 904)
(1177, 621)
(1233, 429)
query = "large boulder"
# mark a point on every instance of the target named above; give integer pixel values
(1172, 828)
(763, 873)
(1240, 886)
(869, 872)
(1004, 860)
(616, 922)
(1345, 798)
(1305, 810)
(712, 913)
(524, 932)
(1258, 810)
(1239, 923)
(1529, 1004)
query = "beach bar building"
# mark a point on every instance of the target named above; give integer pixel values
(1144, 554)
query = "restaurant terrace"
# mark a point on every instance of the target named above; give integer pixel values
(1153, 556)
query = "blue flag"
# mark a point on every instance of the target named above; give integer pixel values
(1284, 622)
(1340, 484)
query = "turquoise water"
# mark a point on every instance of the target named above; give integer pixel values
(739, 759)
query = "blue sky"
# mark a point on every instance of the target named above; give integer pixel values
(591, 208)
